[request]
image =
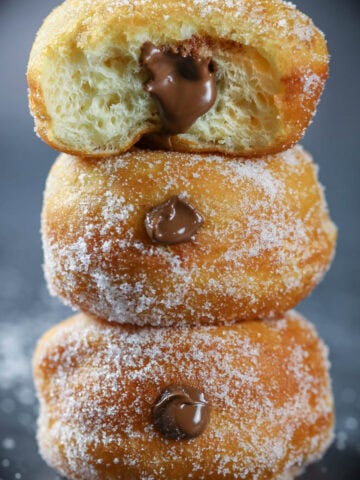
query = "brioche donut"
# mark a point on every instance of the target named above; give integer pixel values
(246, 76)
(256, 236)
(262, 388)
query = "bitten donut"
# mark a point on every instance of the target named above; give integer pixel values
(164, 238)
(237, 77)
(249, 401)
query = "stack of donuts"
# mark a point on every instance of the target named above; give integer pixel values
(184, 223)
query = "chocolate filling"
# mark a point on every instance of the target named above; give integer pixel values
(182, 85)
(181, 412)
(174, 221)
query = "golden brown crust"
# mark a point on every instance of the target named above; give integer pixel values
(286, 38)
(266, 241)
(267, 384)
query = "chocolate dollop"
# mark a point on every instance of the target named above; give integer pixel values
(183, 86)
(174, 221)
(181, 413)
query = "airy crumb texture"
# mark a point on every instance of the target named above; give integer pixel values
(266, 241)
(86, 83)
(267, 384)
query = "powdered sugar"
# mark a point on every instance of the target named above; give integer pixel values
(105, 380)
(254, 11)
(312, 83)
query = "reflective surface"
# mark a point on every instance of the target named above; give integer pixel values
(27, 311)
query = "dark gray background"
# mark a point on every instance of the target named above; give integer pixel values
(26, 310)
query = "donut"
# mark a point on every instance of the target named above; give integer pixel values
(161, 238)
(248, 401)
(237, 77)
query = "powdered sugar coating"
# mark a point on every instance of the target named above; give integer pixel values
(267, 384)
(261, 16)
(266, 241)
